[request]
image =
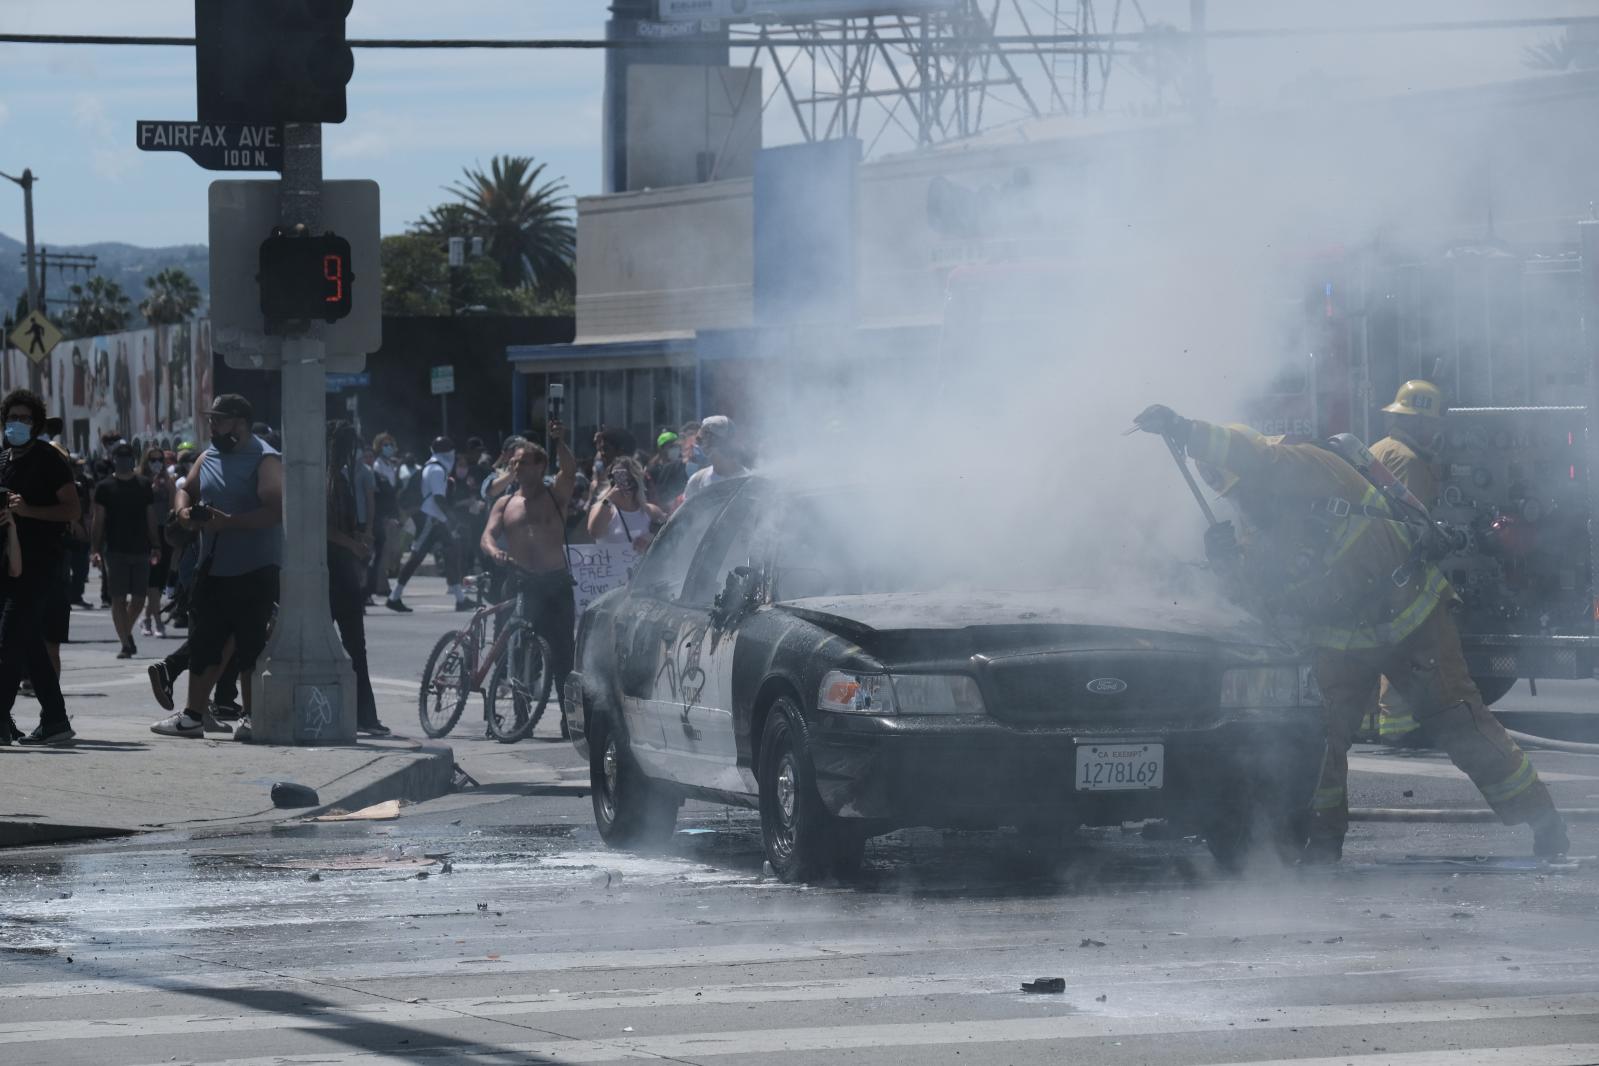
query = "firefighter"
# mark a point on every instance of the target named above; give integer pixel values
(1415, 431)
(1329, 559)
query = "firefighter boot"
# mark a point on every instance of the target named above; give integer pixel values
(1549, 838)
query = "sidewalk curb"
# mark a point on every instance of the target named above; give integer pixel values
(422, 772)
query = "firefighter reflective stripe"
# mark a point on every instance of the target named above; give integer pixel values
(1327, 799)
(1396, 724)
(1355, 527)
(1518, 782)
(1403, 624)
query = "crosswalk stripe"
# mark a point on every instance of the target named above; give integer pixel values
(1527, 1055)
(772, 1041)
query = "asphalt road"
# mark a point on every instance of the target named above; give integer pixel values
(538, 944)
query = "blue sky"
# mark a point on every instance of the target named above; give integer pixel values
(416, 118)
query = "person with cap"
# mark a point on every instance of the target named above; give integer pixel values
(39, 493)
(716, 442)
(233, 498)
(1410, 451)
(667, 458)
(1330, 560)
(434, 529)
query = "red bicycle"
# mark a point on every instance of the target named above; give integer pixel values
(515, 665)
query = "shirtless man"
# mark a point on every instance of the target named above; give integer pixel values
(531, 523)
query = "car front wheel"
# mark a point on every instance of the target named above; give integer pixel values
(629, 809)
(802, 841)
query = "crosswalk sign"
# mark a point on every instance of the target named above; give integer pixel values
(36, 336)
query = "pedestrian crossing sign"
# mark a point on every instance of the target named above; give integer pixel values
(36, 336)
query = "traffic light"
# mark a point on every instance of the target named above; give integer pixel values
(303, 278)
(271, 61)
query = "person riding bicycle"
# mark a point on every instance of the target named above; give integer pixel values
(526, 533)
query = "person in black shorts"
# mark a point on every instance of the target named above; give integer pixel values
(42, 499)
(124, 538)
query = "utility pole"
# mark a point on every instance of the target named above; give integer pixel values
(35, 372)
(1199, 72)
(307, 685)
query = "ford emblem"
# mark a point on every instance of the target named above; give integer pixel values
(1107, 686)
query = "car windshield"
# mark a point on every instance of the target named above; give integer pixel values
(842, 543)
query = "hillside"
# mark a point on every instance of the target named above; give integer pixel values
(126, 264)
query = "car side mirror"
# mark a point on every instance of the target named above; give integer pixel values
(736, 597)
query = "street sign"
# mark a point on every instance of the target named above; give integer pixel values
(216, 145)
(338, 382)
(243, 214)
(36, 336)
(443, 380)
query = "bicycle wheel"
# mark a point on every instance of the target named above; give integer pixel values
(519, 688)
(446, 682)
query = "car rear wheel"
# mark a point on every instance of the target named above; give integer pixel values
(1494, 689)
(1273, 827)
(803, 842)
(629, 809)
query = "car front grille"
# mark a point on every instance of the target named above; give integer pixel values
(1114, 691)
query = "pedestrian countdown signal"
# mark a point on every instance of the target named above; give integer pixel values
(304, 278)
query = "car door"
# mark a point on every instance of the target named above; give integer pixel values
(703, 742)
(650, 649)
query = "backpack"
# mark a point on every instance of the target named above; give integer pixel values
(410, 496)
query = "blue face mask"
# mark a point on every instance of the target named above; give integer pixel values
(18, 433)
(388, 451)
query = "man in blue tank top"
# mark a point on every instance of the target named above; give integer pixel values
(234, 499)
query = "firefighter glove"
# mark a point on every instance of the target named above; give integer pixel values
(1158, 418)
(1221, 545)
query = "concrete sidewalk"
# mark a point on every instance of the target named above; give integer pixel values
(119, 778)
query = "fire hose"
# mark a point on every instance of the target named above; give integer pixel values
(1448, 814)
(1573, 747)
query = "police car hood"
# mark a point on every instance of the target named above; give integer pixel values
(1075, 608)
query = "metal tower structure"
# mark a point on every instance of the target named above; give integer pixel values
(949, 71)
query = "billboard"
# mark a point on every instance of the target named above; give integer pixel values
(794, 10)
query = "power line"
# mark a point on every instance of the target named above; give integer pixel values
(1000, 40)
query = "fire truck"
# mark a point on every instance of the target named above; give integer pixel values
(1511, 336)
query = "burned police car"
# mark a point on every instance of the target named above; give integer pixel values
(775, 650)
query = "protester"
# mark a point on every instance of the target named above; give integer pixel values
(434, 531)
(124, 539)
(502, 478)
(235, 501)
(42, 500)
(621, 515)
(465, 503)
(349, 550)
(157, 471)
(78, 534)
(527, 530)
(386, 508)
(717, 443)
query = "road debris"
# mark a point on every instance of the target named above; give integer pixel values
(1045, 985)
(1090, 942)
(290, 794)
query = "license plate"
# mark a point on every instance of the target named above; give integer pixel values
(1120, 767)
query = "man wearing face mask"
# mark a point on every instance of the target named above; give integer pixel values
(434, 532)
(716, 443)
(39, 492)
(386, 507)
(234, 499)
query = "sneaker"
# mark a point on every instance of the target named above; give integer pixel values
(147, 628)
(396, 605)
(125, 653)
(1549, 838)
(26, 689)
(226, 711)
(243, 732)
(463, 605)
(60, 734)
(161, 630)
(376, 729)
(210, 724)
(82, 603)
(160, 685)
(8, 732)
(179, 725)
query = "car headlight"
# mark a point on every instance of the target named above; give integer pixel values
(1269, 686)
(852, 693)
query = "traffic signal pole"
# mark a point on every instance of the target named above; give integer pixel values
(307, 690)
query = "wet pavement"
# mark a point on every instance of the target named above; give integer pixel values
(476, 929)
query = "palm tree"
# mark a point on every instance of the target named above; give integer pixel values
(1569, 51)
(171, 297)
(526, 226)
(446, 221)
(98, 306)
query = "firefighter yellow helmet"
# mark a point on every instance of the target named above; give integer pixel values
(1418, 398)
(1220, 480)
